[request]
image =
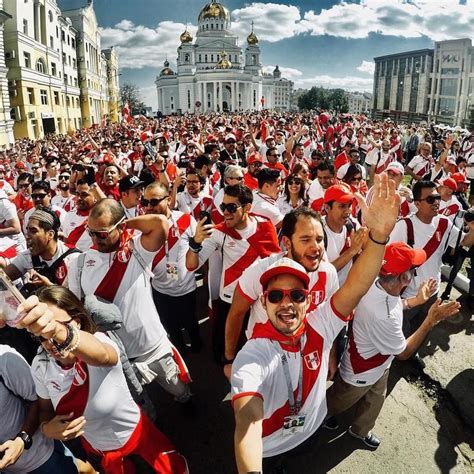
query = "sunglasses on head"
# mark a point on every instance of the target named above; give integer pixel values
(152, 202)
(295, 295)
(231, 207)
(38, 195)
(104, 234)
(431, 199)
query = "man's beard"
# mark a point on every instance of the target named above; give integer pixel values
(64, 186)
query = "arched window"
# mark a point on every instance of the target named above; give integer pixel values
(186, 58)
(50, 16)
(205, 58)
(40, 66)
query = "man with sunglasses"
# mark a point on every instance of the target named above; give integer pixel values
(420, 164)
(117, 270)
(279, 377)
(434, 233)
(64, 198)
(241, 239)
(192, 200)
(23, 201)
(173, 286)
(272, 162)
(254, 165)
(41, 197)
(377, 338)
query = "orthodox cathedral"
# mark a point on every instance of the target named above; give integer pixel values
(215, 74)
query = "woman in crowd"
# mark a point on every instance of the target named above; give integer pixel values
(82, 390)
(353, 178)
(294, 194)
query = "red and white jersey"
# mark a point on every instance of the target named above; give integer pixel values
(450, 208)
(323, 284)
(8, 212)
(421, 165)
(67, 203)
(110, 412)
(239, 248)
(376, 337)
(6, 187)
(380, 159)
(24, 263)
(285, 206)
(264, 205)
(57, 210)
(128, 288)
(74, 229)
(433, 238)
(181, 228)
(337, 245)
(315, 191)
(257, 371)
(193, 205)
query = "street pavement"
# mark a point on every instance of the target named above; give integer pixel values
(426, 424)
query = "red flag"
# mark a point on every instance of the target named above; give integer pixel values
(126, 112)
(263, 131)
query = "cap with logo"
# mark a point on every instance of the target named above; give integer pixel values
(395, 167)
(339, 193)
(129, 182)
(460, 178)
(284, 266)
(449, 183)
(400, 257)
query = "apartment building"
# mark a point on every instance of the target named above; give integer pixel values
(6, 123)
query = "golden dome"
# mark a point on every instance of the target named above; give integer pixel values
(186, 37)
(223, 63)
(252, 39)
(214, 10)
(166, 71)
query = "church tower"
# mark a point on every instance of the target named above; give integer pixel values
(252, 54)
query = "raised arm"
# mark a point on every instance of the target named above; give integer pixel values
(154, 229)
(380, 219)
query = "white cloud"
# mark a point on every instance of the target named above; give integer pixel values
(351, 83)
(272, 21)
(287, 72)
(139, 46)
(366, 66)
(435, 19)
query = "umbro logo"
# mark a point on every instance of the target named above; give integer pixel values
(90, 263)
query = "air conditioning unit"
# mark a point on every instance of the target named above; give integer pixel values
(10, 54)
(31, 115)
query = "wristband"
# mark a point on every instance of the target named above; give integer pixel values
(226, 361)
(194, 246)
(70, 336)
(377, 242)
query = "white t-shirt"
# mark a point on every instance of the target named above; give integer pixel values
(257, 370)
(420, 165)
(315, 191)
(111, 414)
(8, 211)
(6, 187)
(67, 203)
(142, 331)
(422, 234)
(285, 207)
(323, 284)
(16, 376)
(193, 205)
(265, 206)
(175, 259)
(377, 332)
(385, 159)
(73, 220)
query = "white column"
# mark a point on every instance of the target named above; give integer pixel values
(232, 89)
(214, 105)
(220, 96)
(159, 99)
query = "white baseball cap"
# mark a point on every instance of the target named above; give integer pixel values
(396, 167)
(285, 266)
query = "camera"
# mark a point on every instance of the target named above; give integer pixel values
(469, 215)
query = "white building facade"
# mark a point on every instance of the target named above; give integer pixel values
(359, 102)
(214, 74)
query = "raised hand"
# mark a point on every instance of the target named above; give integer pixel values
(440, 311)
(382, 213)
(425, 291)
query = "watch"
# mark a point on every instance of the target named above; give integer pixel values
(26, 438)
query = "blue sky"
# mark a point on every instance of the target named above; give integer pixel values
(323, 42)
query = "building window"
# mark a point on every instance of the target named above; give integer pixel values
(31, 95)
(450, 70)
(44, 97)
(74, 63)
(205, 58)
(25, 27)
(73, 43)
(51, 42)
(56, 98)
(64, 58)
(50, 15)
(27, 58)
(63, 36)
(212, 58)
(65, 79)
(87, 47)
(446, 106)
(53, 69)
(449, 87)
(199, 58)
(68, 40)
(189, 99)
(40, 66)
(68, 102)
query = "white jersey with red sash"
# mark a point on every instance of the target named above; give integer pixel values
(67, 203)
(123, 279)
(450, 208)
(100, 394)
(380, 159)
(433, 238)
(74, 228)
(323, 284)
(7, 248)
(193, 205)
(421, 165)
(257, 371)
(376, 337)
(239, 248)
(169, 265)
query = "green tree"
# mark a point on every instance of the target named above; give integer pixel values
(339, 101)
(131, 94)
(321, 98)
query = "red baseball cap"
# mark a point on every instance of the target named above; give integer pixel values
(339, 193)
(254, 157)
(460, 178)
(400, 257)
(285, 266)
(449, 183)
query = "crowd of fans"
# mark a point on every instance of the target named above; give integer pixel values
(320, 239)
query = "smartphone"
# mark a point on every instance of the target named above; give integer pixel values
(10, 299)
(207, 215)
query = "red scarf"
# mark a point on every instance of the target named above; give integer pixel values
(75, 400)
(266, 330)
(77, 232)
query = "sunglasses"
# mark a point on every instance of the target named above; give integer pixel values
(64, 176)
(38, 196)
(238, 178)
(152, 202)
(256, 164)
(23, 185)
(34, 168)
(231, 207)
(431, 199)
(104, 234)
(356, 179)
(295, 296)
